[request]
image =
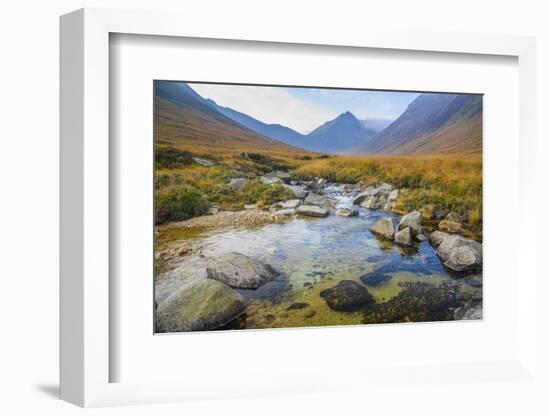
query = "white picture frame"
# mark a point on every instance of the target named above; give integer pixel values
(85, 216)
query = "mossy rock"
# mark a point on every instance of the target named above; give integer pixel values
(199, 306)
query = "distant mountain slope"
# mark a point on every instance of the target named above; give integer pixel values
(274, 131)
(433, 123)
(185, 120)
(343, 133)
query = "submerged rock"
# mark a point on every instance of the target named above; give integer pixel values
(384, 227)
(412, 220)
(347, 296)
(344, 212)
(456, 252)
(199, 306)
(239, 271)
(312, 211)
(375, 278)
(404, 237)
(238, 184)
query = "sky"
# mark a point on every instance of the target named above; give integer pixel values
(304, 109)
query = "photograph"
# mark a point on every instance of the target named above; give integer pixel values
(281, 206)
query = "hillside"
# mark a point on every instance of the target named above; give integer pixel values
(433, 123)
(186, 121)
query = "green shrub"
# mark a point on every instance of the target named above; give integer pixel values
(179, 203)
(169, 158)
(257, 192)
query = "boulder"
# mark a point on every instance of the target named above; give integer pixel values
(459, 253)
(347, 296)
(238, 184)
(199, 306)
(270, 180)
(384, 227)
(393, 195)
(319, 200)
(404, 237)
(312, 211)
(250, 206)
(385, 187)
(437, 237)
(239, 271)
(370, 203)
(204, 162)
(421, 237)
(291, 203)
(298, 191)
(344, 212)
(412, 220)
(450, 226)
(367, 193)
(284, 212)
(282, 175)
(470, 311)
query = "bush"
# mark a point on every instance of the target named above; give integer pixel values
(257, 192)
(169, 158)
(179, 203)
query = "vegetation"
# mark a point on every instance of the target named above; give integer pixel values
(452, 183)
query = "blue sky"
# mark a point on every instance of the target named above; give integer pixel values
(304, 109)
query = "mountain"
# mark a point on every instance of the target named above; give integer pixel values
(343, 133)
(433, 123)
(375, 124)
(274, 131)
(186, 120)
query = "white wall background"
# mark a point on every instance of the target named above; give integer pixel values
(29, 182)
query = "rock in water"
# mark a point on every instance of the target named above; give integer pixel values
(237, 184)
(239, 271)
(319, 200)
(366, 194)
(284, 212)
(347, 296)
(312, 211)
(199, 306)
(384, 227)
(458, 253)
(344, 212)
(437, 237)
(404, 237)
(370, 203)
(292, 203)
(412, 220)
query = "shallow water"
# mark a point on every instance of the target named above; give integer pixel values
(313, 254)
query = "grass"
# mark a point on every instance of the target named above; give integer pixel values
(452, 183)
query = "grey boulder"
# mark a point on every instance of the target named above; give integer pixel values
(319, 200)
(201, 305)
(384, 227)
(312, 211)
(458, 253)
(239, 271)
(344, 212)
(238, 184)
(404, 237)
(412, 220)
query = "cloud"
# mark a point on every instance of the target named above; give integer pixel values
(268, 104)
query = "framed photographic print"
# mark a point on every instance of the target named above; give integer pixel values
(279, 213)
